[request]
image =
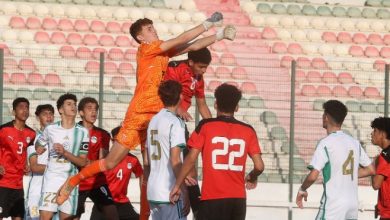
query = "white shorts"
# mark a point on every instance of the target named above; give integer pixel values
(48, 203)
(167, 211)
(32, 209)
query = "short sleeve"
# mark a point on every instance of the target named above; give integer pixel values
(84, 142)
(31, 151)
(364, 160)
(43, 139)
(151, 50)
(137, 168)
(177, 134)
(199, 92)
(253, 147)
(383, 167)
(320, 158)
(196, 140)
(171, 74)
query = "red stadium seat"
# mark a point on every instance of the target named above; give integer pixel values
(329, 77)
(67, 52)
(269, 34)
(286, 61)
(126, 27)
(313, 76)
(110, 68)
(223, 72)
(233, 83)
(35, 79)
(359, 38)
(10, 64)
(339, 91)
(213, 84)
(371, 92)
(130, 54)
(90, 40)
(210, 73)
(219, 46)
(303, 62)
(18, 79)
(123, 41)
(81, 25)
(84, 53)
(308, 90)
(106, 40)
(295, 48)
(17, 22)
(323, 90)
(329, 37)
(98, 26)
(379, 65)
(42, 37)
(386, 39)
(371, 51)
(92, 67)
(58, 38)
(26, 64)
(75, 39)
(279, 47)
(96, 52)
(238, 73)
(7, 52)
(5, 78)
(375, 39)
(115, 54)
(319, 63)
(52, 79)
(126, 68)
(113, 27)
(33, 23)
(345, 78)
(248, 88)
(356, 51)
(344, 37)
(214, 58)
(385, 52)
(228, 59)
(49, 24)
(65, 25)
(118, 82)
(355, 92)
(300, 76)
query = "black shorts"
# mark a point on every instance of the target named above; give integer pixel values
(11, 202)
(226, 209)
(100, 196)
(125, 211)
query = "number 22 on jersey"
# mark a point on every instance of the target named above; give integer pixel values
(232, 155)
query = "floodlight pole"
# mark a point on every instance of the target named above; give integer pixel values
(291, 151)
(386, 112)
(101, 85)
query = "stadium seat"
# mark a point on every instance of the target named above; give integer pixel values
(24, 92)
(9, 93)
(356, 51)
(308, 90)
(269, 118)
(81, 25)
(119, 82)
(263, 8)
(371, 51)
(377, 26)
(58, 37)
(287, 22)
(115, 54)
(359, 38)
(269, 34)
(326, 49)
(110, 96)
(42, 37)
(223, 72)
(317, 104)
(386, 39)
(278, 133)
(368, 106)
(348, 25)
(363, 25)
(123, 41)
(67, 52)
(130, 55)
(309, 10)
(329, 77)
(106, 40)
(353, 106)
(26, 64)
(228, 59)
(17, 22)
(333, 24)
(371, 92)
(278, 9)
(84, 53)
(286, 61)
(379, 65)
(355, 92)
(248, 88)
(18, 78)
(339, 11)
(35, 79)
(303, 62)
(354, 12)
(74, 39)
(56, 93)
(10, 64)
(298, 35)
(329, 37)
(213, 84)
(237, 72)
(10, 35)
(124, 96)
(323, 90)
(284, 34)
(65, 25)
(41, 94)
(344, 37)
(97, 26)
(375, 39)
(78, 93)
(294, 9)
(33, 23)
(383, 13)
(90, 40)
(324, 11)
(92, 93)
(279, 47)
(126, 69)
(368, 13)
(52, 79)
(339, 91)
(125, 27)
(300, 76)
(110, 67)
(313, 76)
(113, 27)
(294, 48)
(385, 52)
(319, 63)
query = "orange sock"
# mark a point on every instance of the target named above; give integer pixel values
(88, 171)
(145, 210)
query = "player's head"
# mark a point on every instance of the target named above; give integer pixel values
(21, 108)
(66, 105)
(88, 109)
(334, 113)
(199, 60)
(380, 131)
(143, 31)
(45, 114)
(227, 97)
(169, 92)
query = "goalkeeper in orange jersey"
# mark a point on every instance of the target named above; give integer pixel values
(152, 61)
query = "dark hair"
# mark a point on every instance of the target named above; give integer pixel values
(19, 100)
(136, 27)
(169, 92)
(64, 97)
(336, 110)
(115, 131)
(200, 56)
(41, 108)
(85, 101)
(382, 124)
(227, 97)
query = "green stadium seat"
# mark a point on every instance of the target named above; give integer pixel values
(285, 148)
(80, 2)
(210, 100)
(112, 2)
(299, 164)
(7, 119)
(353, 106)
(383, 13)
(264, 8)
(9, 93)
(278, 133)
(256, 102)
(381, 107)
(339, 11)
(297, 178)
(269, 118)
(279, 9)
(41, 94)
(262, 178)
(309, 10)
(369, 13)
(56, 93)
(24, 92)
(6, 110)
(386, 3)
(324, 11)
(77, 93)
(126, 2)
(96, 2)
(65, 1)
(157, 4)
(141, 3)
(354, 12)
(367, 106)
(294, 10)
(92, 93)
(317, 105)
(125, 96)
(243, 103)
(275, 178)
(374, 3)
(110, 96)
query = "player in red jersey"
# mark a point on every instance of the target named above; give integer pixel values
(96, 187)
(118, 180)
(224, 143)
(189, 73)
(15, 137)
(380, 136)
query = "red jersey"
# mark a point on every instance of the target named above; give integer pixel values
(118, 178)
(192, 85)
(225, 143)
(383, 169)
(98, 139)
(13, 154)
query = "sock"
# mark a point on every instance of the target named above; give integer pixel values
(88, 171)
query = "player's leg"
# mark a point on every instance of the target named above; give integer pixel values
(96, 214)
(5, 202)
(32, 209)
(214, 209)
(17, 210)
(126, 211)
(239, 209)
(102, 198)
(169, 211)
(81, 203)
(45, 215)
(67, 211)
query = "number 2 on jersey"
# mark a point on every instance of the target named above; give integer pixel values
(154, 142)
(349, 162)
(225, 151)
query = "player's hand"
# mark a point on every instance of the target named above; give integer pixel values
(2, 170)
(59, 148)
(229, 32)
(26, 169)
(216, 19)
(250, 184)
(300, 196)
(175, 194)
(190, 181)
(40, 150)
(184, 114)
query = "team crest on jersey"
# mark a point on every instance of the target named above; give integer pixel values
(94, 139)
(129, 166)
(28, 139)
